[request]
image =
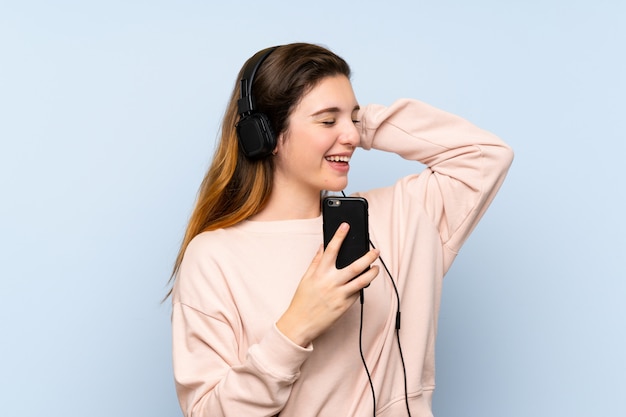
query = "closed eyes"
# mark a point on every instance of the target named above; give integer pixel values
(332, 122)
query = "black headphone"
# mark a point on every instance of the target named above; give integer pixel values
(256, 138)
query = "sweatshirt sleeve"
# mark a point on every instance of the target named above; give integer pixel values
(215, 371)
(465, 165)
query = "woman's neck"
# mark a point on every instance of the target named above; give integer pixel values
(290, 204)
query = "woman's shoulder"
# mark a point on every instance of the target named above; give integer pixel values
(398, 192)
(207, 243)
(211, 237)
(202, 265)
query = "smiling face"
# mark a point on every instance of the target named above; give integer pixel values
(314, 153)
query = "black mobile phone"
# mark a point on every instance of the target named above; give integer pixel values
(352, 210)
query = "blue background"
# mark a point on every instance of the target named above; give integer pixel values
(108, 116)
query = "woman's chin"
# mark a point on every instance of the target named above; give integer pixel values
(337, 188)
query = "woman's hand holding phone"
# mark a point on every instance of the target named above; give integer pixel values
(325, 292)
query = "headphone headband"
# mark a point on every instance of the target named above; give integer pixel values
(245, 104)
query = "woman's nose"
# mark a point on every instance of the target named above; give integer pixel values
(350, 135)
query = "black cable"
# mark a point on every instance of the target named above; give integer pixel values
(369, 377)
(395, 288)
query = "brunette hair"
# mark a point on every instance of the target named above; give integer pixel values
(235, 188)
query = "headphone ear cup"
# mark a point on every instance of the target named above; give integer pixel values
(256, 138)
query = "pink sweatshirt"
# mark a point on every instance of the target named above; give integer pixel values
(234, 284)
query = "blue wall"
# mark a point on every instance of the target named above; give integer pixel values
(108, 116)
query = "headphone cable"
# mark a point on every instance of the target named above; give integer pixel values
(395, 288)
(362, 300)
(369, 376)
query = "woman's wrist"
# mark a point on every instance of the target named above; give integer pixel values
(292, 330)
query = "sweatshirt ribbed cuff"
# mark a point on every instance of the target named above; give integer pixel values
(278, 356)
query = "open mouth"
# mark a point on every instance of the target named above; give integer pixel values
(337, 158)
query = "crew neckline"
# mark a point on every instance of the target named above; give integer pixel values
(312, 225)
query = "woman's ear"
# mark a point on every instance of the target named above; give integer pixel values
(279, 144)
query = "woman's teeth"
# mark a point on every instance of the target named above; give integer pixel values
(335, 158)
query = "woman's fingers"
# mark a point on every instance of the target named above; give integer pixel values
(361, 264)
(362, 281)
(357, 267)
(332, 249)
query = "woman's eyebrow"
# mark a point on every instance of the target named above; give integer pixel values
(327, 110)
(333, 110)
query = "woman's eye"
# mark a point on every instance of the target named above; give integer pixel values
(356, 121)
(328, 122)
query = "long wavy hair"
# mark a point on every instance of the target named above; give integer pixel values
(235, 188)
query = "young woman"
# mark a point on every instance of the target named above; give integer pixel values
(264, 324)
